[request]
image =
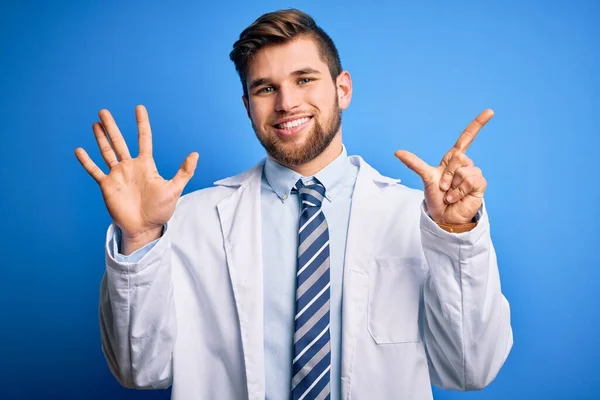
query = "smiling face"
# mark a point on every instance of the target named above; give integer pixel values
(293, 103)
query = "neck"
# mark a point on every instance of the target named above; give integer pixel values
(322, 160)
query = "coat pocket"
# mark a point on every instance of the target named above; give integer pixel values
(395, 289)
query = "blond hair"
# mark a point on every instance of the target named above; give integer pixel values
(280, 27)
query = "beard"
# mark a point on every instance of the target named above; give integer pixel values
(317, 140)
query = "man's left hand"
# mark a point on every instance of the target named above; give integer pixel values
(454, 189)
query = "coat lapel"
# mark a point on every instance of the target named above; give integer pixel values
(240, 217)
(368, 213)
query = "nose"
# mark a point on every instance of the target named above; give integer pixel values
(287, 99)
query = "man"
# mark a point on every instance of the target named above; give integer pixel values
(309, 276)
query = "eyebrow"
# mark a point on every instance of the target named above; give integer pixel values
(304, 71)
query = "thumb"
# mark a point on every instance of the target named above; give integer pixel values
(413, 162)
(186, 171)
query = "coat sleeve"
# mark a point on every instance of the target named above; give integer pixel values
(467, 331)
(137, 314)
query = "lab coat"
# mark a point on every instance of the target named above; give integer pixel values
(420, 305)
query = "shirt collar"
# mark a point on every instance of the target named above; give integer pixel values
(282, 179)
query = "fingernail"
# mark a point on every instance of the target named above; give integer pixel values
(444, 186)
(449, 198)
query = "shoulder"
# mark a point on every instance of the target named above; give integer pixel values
(396, 200)
(389, 187)
(205, 196)
(399, 190)
(209, 197)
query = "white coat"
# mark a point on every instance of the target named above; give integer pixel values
(420, 305)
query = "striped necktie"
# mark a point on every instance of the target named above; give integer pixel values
(312, 347)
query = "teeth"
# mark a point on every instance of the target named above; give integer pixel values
(293, 124)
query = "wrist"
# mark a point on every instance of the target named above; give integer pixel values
(457, 228)
(131, 243)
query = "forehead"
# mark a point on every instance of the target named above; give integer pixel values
(279, 61)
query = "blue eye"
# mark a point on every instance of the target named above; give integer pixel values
(264, 90)
(305, 80)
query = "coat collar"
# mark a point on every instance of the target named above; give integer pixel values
(256, 173)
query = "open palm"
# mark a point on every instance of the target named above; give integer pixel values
(137, 198)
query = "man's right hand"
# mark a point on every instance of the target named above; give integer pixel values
(138, 199)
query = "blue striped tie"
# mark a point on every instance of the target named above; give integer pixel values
(312, 347)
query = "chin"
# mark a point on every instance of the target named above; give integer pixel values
(292, 147)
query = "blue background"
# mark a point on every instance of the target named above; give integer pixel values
(421, 73)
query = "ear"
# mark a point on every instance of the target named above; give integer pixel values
(247, 105)
(344, 89)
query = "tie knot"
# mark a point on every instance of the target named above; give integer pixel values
(311, 194)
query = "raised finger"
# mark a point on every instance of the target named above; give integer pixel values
(414, 163)
(106, 149)
(457, 161)
(89, 165)
(116, 138)
(462, 173)
(185, 172)
(144, 131)
(468, 135)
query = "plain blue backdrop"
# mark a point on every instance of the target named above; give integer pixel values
(422, 71)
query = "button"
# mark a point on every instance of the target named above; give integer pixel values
(285, 196)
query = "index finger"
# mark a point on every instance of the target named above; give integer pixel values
(468, 135)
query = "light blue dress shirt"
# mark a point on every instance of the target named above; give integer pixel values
(280, 215)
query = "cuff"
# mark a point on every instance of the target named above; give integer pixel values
(467, 236)
(456, 228)
(134, 257)
(135, 260)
